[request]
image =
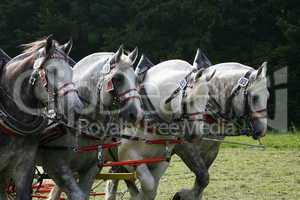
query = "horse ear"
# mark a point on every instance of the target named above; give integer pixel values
(262, 70)
(118, 54)
(68, 46)
(49, 43)
(201, 61)
(133, 55)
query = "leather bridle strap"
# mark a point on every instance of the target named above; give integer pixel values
(195, 116)
(128, 95)
(182, 86)
(66, 88)
(259, 114)
(243, 82)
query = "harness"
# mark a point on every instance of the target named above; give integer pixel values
(214, 109)
(108, 72)
(243, 83)
(53, 93)
(10, 125)
(184, 84)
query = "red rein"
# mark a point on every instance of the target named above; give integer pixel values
(96, 146)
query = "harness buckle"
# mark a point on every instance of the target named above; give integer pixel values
(168, 151)
(100, 155)
(243, 82)
(182, 84)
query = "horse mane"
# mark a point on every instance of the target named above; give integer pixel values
(29, 49)
(32, 47)
(231, 66)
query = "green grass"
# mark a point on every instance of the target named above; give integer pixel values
(241, 173)
(273, 140)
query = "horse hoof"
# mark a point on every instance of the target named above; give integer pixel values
(185, 195)
(177, 196)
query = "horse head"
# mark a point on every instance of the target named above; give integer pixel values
(119, 89)
(51, 78)
(258, 95)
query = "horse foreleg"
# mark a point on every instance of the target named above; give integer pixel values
(111, 189)
(86, 179)
(158, 171)
(148, 184)
(24, 172)
(3, 187)
(132, 188)
(55, 193)
(63, 177)
(191, 156)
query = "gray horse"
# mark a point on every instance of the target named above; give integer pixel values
(248, 104)
(229, 102)
(34, 86)
(175, 94)
(108, 85)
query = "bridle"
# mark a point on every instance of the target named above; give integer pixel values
(118, 98)
(249, 115)
(184, 84)
(39, 72)
(9, 124)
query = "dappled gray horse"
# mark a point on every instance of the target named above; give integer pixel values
(108, 86)
(174, 94)
(238, 95)
(34, 86)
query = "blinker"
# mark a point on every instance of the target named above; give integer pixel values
(109, 86)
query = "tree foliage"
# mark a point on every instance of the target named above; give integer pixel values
(246, 31)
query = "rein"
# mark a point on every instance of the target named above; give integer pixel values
(260, 145)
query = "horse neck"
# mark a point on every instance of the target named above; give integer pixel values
(86, 76)
(12, 71)
(164, 78)
(222, 84)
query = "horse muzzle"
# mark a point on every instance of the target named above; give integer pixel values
(259, 124)
(131, 114)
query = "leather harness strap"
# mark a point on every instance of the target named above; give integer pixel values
(243, 83)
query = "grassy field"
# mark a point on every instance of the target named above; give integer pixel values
(245, 173)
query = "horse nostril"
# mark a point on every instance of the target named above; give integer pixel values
(132, 117)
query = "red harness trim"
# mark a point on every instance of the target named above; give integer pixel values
(96, 146)
(44, 197)
(125, 99)
(135, 162)
(94, 194)
(51, 135)
(61, 92)
(165, 141)
(127, 91)
(6, 130)
(209, 119)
